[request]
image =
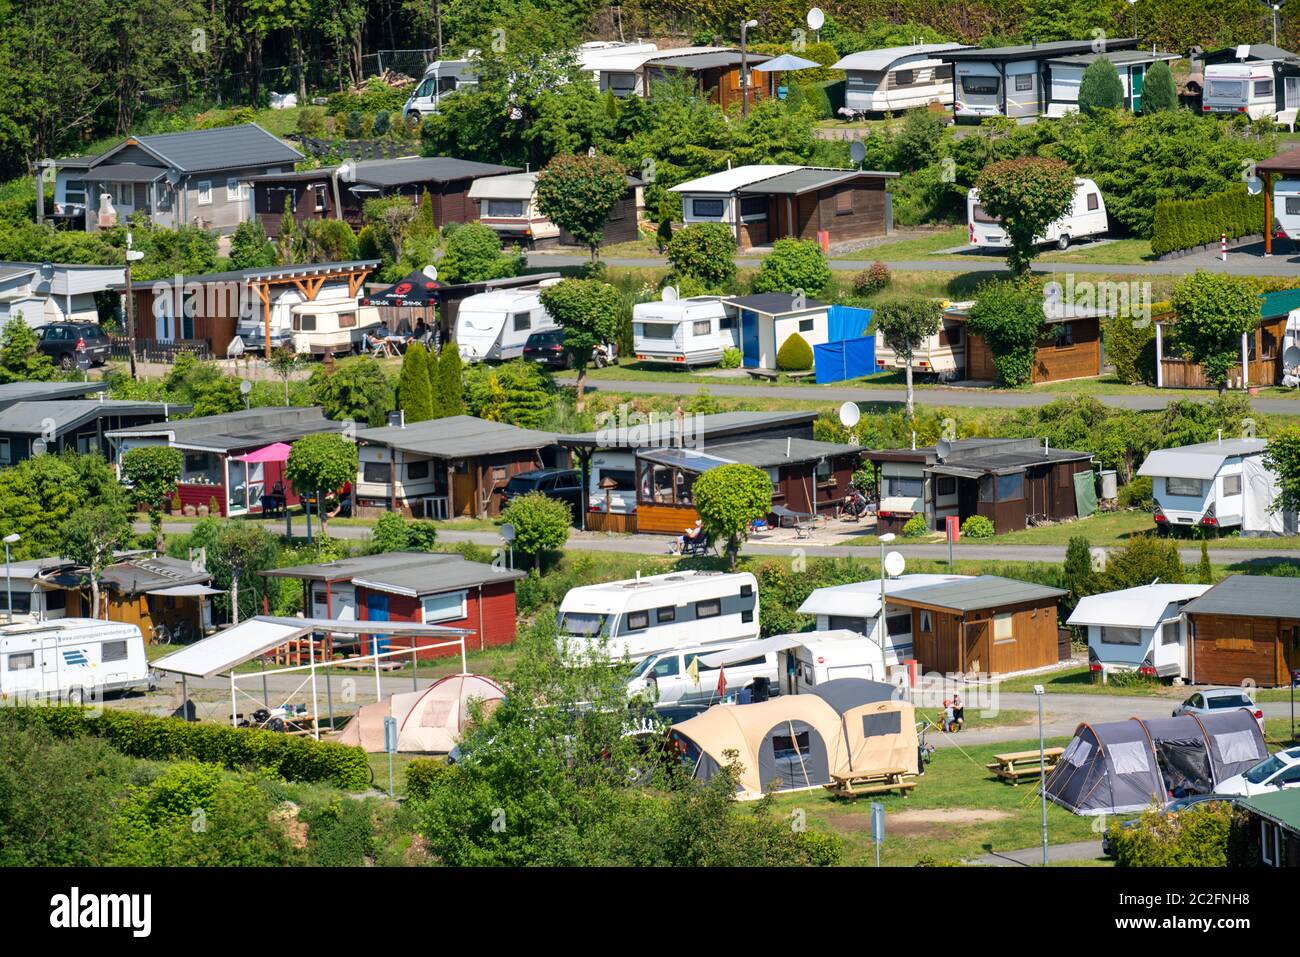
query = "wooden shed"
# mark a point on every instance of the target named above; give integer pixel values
(1246, 628)
(1261, 349)
(986, 624)
(1069, 347)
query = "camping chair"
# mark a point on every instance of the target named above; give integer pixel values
(698, 547)
(801, 522)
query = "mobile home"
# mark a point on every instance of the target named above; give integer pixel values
(1087, 217)
(1256, 79)
(72, 659)
(1214, 486)
(441, 78)
(1065, 76)
(508, 205)
(1137, 629)
(689, 332)
(897, 78)
(639, 616)
(495, 325)
(943, 353)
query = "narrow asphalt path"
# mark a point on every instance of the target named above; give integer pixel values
(1033, 856)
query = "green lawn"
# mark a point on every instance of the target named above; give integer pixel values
(1081, 681)
(1114, 252)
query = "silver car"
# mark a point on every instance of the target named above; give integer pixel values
(1213, 700)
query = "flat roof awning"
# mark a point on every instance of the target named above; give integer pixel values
(750, 649)
(955, 471)
(185, 591)
(808, 180)
(686, 459)
(704, 61)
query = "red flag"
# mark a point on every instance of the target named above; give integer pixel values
(722, 682)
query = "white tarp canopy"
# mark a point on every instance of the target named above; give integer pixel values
(751, 649)
(1140, 607)
(185, 591)
(253, 638)
(1260, 490)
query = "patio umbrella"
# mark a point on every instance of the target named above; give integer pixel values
(785, 63)
(275, 452)
(416, 291)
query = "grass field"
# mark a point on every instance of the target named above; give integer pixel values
(933, 245)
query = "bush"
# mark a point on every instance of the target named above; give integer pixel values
(795, 354)
(1203, 836)
(794, 264)
(1009, 316)
(977, 526)
(916, 526)
(1158, 94)
(731, 358)
(1136, 494)
(1131, 346)
(146, 736)
(541, 524)
(872, 280)
(392, 532)
(1185, 223)
(422, 775)
(704, 251)
(1100, 88)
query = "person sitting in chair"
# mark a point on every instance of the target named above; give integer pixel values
(958, 713)
(693, 534)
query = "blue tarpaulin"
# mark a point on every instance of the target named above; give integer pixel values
(845, 358)
(847, 322)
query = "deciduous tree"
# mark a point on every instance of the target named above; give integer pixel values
(588, 311)
(578, 193)
(1026, 195)
(729, 499)
(905, 325)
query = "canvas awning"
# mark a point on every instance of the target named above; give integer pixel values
(750, 649)
(185, 591)
(275, 452)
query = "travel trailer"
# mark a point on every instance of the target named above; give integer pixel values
(440, 78)
(689, 332)
(1138, 629)
(1286, 207)
(896, 78)
(72, 659)
(1214, 486)
(495, 325)
(616, 66)
(1087, 217)
(678, 677)
(943, 353)
(824, 656)
(330, 328)
(640, 616)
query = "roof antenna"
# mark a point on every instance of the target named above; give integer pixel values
(914, 440)
(787, 446)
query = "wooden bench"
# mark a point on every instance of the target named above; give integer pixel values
(1023, 764)
(856, 784)
(766, 375)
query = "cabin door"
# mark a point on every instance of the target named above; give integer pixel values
(377, 610)
(463, 493)
(975, 647)
(1291, 92)
(749, 342)
(1136, 77)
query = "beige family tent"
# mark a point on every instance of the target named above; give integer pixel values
(428, 721)
(798, 741)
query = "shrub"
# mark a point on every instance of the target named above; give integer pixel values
(1203, 836)
(353, 125)
(1009, 316)
(1100, 88)
(704, 251)
(916, 526)
(381, 124)
(794, 264)
(541, 524)
(731, 358)
(795, 355)
(1158, 94)
(1131, 346)
(422, 775)
(1136, 494)
(1184, 223)
(872, 280)
(977, 526)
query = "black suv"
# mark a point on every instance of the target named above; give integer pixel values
(562, 484)
(548, 349)
(73, 344)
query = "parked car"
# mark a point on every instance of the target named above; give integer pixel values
(1173, 807)
(73, 344)
(1281, 771)
(547, 348)
(562, 484)
(1220, 699)
(665, 678)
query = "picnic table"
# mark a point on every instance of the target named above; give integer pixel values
(879, 781)
(803, 523)
(1023, 764)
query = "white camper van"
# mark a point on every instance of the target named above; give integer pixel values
(441, 78)
(1201, 486)
(639, 616)
(682, 677)
(1137, 629)
(1240, 88)
(496, 324)
(688, 332)
(1087, 217)
(72, 659)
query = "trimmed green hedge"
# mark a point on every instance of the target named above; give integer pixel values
(153, 738)
(1184, 223)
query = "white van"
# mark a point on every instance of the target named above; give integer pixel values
(1087, 217)
(1240, 88)
(72, 659)
(442, 77)
(665, 678)
(640, 616)
(495, 325)
(685, 332)
(823, 656)
(943, 353)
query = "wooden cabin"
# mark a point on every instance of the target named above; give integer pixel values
(1246, 628)
(1261, 349)
(983, 625)
(156, 594)
(715, 71)
(72, 425)
(1070, 346)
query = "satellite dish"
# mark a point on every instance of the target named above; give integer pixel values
(669, 294)
(857, 151)
(430, 272)
(942, 449)
(1291, 357)
(1243, 51)
(347, 172)
(816, 19)
(507, 532)
(245, 387)
(894, 564)
(850, 414)
(39, 447)
(1254, 185)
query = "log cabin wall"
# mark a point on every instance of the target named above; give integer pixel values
(957, 643)
(1229, 649)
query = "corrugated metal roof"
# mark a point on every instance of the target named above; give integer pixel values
(1274, 304)
(973, 594)
(345, 569)
(11, 392)
(1281, 807)
(807, 179)
(35, 418)
(437, 169)
(1250, 596)
(449, 576)
(138, 575)
(730, 180)
(702, 58)
(874, 61)
(769, 453)
(227, 147)
(1027, 51)
(1117, 57)
(457, 437)
(701, 428)
(1200, 461)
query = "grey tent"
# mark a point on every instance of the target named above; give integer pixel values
(1181, 754)
(1234, 741)
(845, 694)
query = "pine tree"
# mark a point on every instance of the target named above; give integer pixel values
(287, 243)
(1078, 575)
(1158, 92)
(435, 392)
(451, 392)
(1100, 88)
(1204, 573)
(413, 395)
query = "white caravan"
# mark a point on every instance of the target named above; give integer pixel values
(639, 616)
(943, 353)
(1286, 207)
(1137, 629)
(442, 77)
(683, 677)
(687, 332)
(896, 78)
(330, 328)
(1087, 217)
(810, 658)
(1240, 88)
(72, 659)
(495, 325)
(1201, 486)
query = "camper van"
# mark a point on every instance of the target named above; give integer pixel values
(495, 325)
(1138, 629)
(943, 353)
(687, 332)
(1087, 217)
(823, 656)
(1206, 486)
(72, 659)
(666, 678)
(1240, 88)
(440, 78)
(1286, 206)
(896, 78)
(640, 616)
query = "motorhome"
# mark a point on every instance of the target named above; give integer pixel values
(72, 659)
(640, 616)
(688, 332)
(1138, 629)
(1247, 87)
(441, 78)
(943, 354)
(495, 325)
(679, 676)
(896, 78)
(1087, 217)
(1207, 485)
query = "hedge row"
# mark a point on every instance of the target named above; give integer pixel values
(1185, 223)
(154, 738)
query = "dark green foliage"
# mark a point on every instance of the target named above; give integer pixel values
(977, 527)
(541, 524)
(393, 532)
(795, 355)
(1131, 348)
(449, 396)
(1100, 88)
(1213, 312)
(518, 392)
(1204, 571)
(1158, 93)
(19, 359)
(1026, 195)
(413, 394)
(1140, 561)
(355, 390)
(578, 193)
(250, 247)
(589, 312)
(340, 833)
(1207, 835)
(916, 527)
(793, 265)
(473, 253)
(1079, 577)
(729, 499)
(1008, 314)
(704, 252)
(1184, 223)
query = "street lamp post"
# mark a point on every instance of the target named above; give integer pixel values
(1042, 768)
(744, 66)
(884, 539)
(9, 582)
(1133, 5)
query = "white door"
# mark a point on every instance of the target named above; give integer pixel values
(1291, 92)
(256, 483)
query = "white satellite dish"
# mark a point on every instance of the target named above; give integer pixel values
(430, 272)
(1291, 357)
(1254, 185)
(942, 449)
(507, 532)
(1243, 51)
(669, 294)
(850, 414)
(857, 151)
(894, 564)
(245, 387)
(816, 19)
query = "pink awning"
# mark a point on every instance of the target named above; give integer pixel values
(276, 452)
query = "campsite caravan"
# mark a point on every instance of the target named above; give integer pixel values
(495, 325)
(689, 332)
(943, 353)
(1204, 486)
(1087, 217)
(896, 78)
(1286, 207)
(639, 616)
(331, 328)
(1240, 88)
(72, 659)
(828, 655)
(1138, 629)
(441, 78)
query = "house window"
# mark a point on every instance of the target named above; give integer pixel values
(304, 323)
(711, 608)
(522, 321)
(21, 661)
(1269, 846)
(347, 320)
(702, 327)
(205, 193)
(114, 651)
(1002, 627)
(637, 621)
(824, 473)
(74, 191)
(234, 190)
(752, 207)
(903, 486)
(1263, 87)
(417, 470)
(446, 607)
(898, 624)
(986, 488)
(656, 330)
(806, 325)
(318, 191)
(844, 201)
(1064, 335)
(947, 485)
(1114, 635)
(926, 623)
(1011, 487)
(1024, 82)
(22, 601)
(846, 623)
(505, 207)
(377, 472)
(1232, 485)
(56, 600)
(4, 452)
(706, 208)
(904, 77)
(1267, 343)
(1184, 486)
(665, 614)
(1293, 205)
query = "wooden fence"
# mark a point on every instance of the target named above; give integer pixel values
(158, 350)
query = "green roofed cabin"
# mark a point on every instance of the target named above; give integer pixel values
(1262, 348)
(1274, 827)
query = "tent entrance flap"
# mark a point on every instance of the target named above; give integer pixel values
(1185, 766)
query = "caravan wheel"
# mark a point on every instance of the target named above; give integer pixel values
(76, 696)
(1063, 241)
